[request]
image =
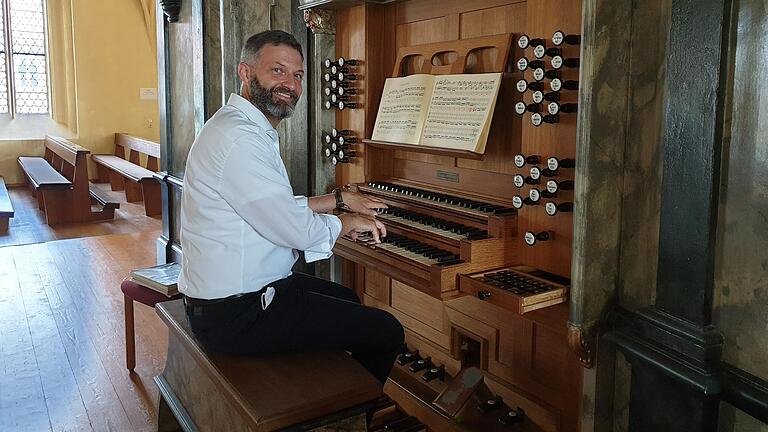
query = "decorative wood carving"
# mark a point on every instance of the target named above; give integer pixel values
(583, 344)
(171, 9)
(320, 21)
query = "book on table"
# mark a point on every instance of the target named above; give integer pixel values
(446, 111)
(161, 278)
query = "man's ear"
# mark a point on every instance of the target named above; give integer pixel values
(243, 71)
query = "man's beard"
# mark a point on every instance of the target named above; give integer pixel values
(264, 100)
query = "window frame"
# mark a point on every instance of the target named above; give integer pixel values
(10, 72)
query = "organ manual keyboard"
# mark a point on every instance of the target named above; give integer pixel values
(433, 237)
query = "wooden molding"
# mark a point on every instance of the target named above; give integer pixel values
(582, 344)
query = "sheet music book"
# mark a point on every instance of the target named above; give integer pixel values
(447, 111)
(161, 278)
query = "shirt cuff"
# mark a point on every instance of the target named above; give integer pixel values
(325, 249)
(301, 200)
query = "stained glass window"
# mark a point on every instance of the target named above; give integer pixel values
(26, 68)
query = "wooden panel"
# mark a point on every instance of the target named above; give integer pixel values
(416, 304)
(377, 285)
(496, 20)
(411, 324)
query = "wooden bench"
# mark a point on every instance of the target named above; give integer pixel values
(6, 209)
(59, 180)
(127, 173)
(202, 390)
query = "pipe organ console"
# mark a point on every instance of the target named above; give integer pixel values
(476, 263)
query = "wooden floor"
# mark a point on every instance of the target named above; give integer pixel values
(28, 224)
(62, 358)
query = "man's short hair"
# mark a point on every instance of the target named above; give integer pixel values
(275, 37)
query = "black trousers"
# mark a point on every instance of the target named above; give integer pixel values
(306, 314)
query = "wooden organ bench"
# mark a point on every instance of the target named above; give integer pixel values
(202, 390)
(127, 173)
(6, 208)
(59, 180)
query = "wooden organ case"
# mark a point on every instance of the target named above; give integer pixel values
(453, 311)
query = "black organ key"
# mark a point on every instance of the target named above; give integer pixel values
(512, 416)
(522, 85)
(336, 84)
(552, 208)
(336, 69)
(521, 108)
(346, 77)
(335, 160)
(524, 42)
(558, 84)
(521, 160)
(554, 163)
(344, 154)
(531, 238)
(407, 357)
(555, 108)
(552, 97)
(544, 119)
(336, 98)
(421, 364)
(349, 140)
(558, 62)
(434, 373)
(552, 52)
(350, 105)
(343, 132)
(552, 74)
(553, 185)
(490, 405)
(347, 62)
(559, 38)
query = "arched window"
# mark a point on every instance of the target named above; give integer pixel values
(23, 60)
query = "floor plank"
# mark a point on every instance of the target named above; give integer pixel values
(62, 364)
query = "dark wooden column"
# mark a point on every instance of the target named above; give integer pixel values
(672, 346)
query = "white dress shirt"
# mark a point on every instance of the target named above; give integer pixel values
(241, 225)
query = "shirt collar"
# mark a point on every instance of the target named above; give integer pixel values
(254, 114)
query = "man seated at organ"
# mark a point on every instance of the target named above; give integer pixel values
(242, 228)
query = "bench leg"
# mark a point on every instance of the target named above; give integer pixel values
(102, 174)
(56, 205)
(132, 191)
(153, 203)
(3, 224)
(116, 181)
(130, 336)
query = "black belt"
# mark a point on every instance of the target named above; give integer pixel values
(191, 301)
